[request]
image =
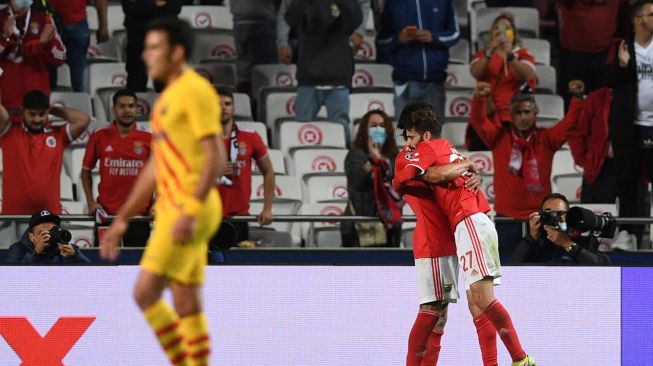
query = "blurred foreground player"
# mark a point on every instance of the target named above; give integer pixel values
(187, 157)
(436, 264)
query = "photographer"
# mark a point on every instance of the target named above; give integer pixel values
(45, 242)
(549, 241)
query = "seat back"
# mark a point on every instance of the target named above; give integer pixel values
(310, 135)
(321, 189)
(318, 161)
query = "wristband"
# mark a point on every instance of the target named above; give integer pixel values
(191, 206)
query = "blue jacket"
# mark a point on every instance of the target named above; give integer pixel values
(23, 252)
(419, 61)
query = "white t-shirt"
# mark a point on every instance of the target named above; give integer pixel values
(644, 58)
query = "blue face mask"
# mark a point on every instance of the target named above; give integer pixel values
(377, 134)
(23, 4)
(563, 226)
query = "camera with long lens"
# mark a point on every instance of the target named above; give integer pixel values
(582, 219)
(57, 235)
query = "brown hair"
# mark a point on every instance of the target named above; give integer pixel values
(509, 17)
(389, 148)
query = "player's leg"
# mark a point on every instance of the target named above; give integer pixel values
(487, 334)
(192, 322)
(162, 319)
(432, 350)
(477, 242)
(425, 323)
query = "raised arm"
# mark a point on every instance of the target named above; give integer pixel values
(488, 132)
(78, 121)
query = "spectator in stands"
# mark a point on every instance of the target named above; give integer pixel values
(369, 162)
(255, 32)
(326, 64)
(35, 246)
(33, 153)
(556, 244)
(29, 45)
(122, 150)
(137, 16)
(586, 30)
(283, 31)
(631, 119)
(591, 149)
(522, 153)
(506, 66)
(75, 35)
(235, 186)
(417, 37)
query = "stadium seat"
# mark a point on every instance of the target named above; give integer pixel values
(218, 72)
(278, 163)
(367, 51)
(79, 101)
(73, 208)
(527, 22)
(372, 76)
(322, 234)
(115, 18)
(546, 79)
(73, 161)
(103, 52)
(202, 17)
(144, 105)
(278, 105)
(295, 135)
(66, 188)
(458, 105)
(323, 189)
(317, 162)
(361, 103)
(272, 76)
(487, 187)
(563, 163)
(569, 185)
(455, 133)
(407, 228)
(539, 48)
(106, 75)
(213, 45)
(287, 199)
(459, 53)
(63, 78)
(243, 107)
(459, 77)
(482, 160)
(369, 25)
(259, 127)
(550, 109)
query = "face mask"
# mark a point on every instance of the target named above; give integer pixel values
(563, 226)
(377, 134)
(23, 4)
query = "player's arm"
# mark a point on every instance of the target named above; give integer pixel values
(78, 121)
(442, 174)
(265, 166)
(213, 166)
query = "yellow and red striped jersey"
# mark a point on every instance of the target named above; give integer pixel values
(187, 111)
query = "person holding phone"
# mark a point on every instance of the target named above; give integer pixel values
(416, 37)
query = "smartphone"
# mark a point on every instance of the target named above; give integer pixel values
(411, 30)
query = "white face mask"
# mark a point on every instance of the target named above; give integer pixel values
(563, 226)
(23, 4)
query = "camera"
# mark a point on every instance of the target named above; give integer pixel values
(59, 235)
(549, 218)
(582, 219)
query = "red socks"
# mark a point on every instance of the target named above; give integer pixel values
(487, 339)
(419, 335)
(500, 318)
(432, 351)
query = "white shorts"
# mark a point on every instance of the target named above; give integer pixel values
(477, 246)
(437, 279)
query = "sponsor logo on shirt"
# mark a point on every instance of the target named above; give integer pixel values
(123, 167)
(108, 149)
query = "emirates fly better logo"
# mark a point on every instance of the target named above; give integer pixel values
(48, 350)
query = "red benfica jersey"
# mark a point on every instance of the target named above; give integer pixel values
(32, 169)
(503, 81)
(432, 237)
(242, 146)
(121, 159)
(456, 201)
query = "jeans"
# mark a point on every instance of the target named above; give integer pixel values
(310, 99)
(419, 91)
(76, 38)
(255, 45)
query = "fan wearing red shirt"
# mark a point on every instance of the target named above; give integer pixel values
(474, 232)
(235, 185)
(122, 150)
(436, 264)
(33, 154)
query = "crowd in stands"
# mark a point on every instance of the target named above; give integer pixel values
(604, 78)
